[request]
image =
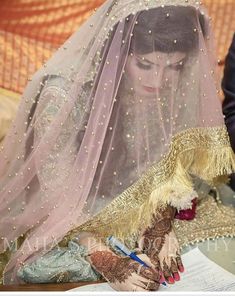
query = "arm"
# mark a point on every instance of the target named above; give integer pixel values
(52, 98)
(154, 236)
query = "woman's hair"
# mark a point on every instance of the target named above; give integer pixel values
(167, 29)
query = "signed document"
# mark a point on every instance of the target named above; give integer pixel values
(201, 274)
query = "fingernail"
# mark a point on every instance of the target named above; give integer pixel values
(170, 280)
(181, 269)
(162, 280)
(176, 276)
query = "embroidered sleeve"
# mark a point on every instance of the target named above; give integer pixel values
(56, 168)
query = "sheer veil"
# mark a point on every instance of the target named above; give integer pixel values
(112, 127)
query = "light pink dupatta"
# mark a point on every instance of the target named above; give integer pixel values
(84, 134)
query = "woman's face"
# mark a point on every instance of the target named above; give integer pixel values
(149, 73)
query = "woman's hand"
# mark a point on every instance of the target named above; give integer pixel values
(160, 244)
(124, 274)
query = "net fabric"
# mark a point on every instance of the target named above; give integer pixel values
(102, 111)
(31, 31)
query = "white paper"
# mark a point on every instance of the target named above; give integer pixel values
(201, 274)
(103, 287)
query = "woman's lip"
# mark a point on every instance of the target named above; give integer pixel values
(150, 89)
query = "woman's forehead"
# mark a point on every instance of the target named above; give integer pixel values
(157, 56)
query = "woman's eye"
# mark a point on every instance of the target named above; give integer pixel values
(143, 66)
(177, 67)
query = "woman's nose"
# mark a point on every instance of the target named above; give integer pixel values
(158, 77)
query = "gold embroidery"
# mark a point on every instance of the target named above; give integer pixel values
(5, 256)
(212, 221)
(61, 277)
(205, 152)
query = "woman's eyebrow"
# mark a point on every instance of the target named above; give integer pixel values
(147, 61)
(178, 62)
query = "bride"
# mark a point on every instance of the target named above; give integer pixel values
(111, 138)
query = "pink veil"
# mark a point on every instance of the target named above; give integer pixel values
(95, 144)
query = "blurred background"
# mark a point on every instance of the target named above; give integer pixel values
(32, 30)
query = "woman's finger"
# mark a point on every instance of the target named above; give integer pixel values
(179, 264)
(148, 286)
(153, 261)
(136, 288)
(147, 260)
(167, 273)
(139, 280)
(151, 274)
(145, 283)
(152, 286)
(156, 262)
(162, 279)
(147, 272)
(174, 270)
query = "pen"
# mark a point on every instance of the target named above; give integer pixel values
(120, 246)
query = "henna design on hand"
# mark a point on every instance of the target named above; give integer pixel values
(166, 270)
(115, 268)
(179, 263)
(152, 286)
(154, 236)
(174, 267)
(112, 267)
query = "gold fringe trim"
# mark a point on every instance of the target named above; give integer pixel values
(204, 152)
(173, 190)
